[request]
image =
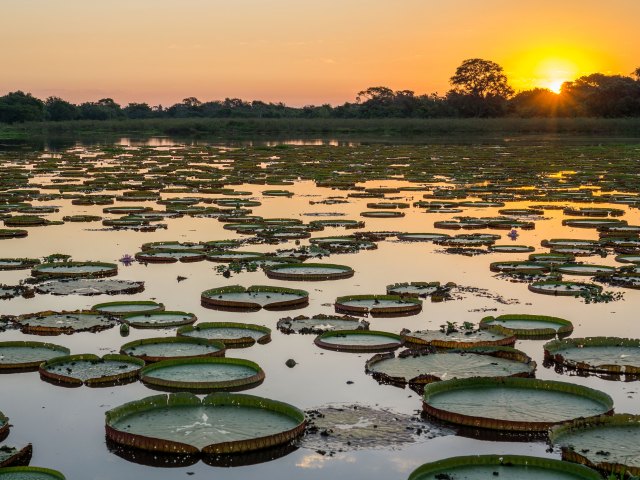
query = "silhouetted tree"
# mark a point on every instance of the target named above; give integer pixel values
(603, 95)
(538, 102)
(57, 109)
(138, 110)
(20, 107)
(480, 88)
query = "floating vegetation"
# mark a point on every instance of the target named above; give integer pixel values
(558, 288)
(18, 263)
(511, 248)
(163, 348)
(320, 323)
(584, 269)
(7, 233)
(452, 335)
(422, 237)
(75, 269)
(56, 323)
(126, 307)
(518, 267)
(359, 341)
(609, 355)
(378, 305)
(382, 214)
(232, 334)
(309, 271)
(236, 297)
(30, 473)
(81, 218)
(159, 319)
(170, 256)
(528, 326)
(511, 403)
(355, 427)
(13, 457)
(91, 370)
(203, 374)
(420, 289)
(89, 286)
(418, 368)
(509, 467)
(18, 356)
(221, 423)
(609, 443)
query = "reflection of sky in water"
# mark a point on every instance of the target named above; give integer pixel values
(66, 426)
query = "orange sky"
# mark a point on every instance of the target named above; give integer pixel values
(301, 51)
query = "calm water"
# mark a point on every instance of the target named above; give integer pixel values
(66, 426)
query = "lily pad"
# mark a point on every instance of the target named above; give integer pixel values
(320, 323)
(612, 355)
(17, 263)
(30, 473)
(381, 305)
(512, 404)
(160, 319)
(528, 326)
(12, 456)
(232, 334)
(75, 269)
(89, 287)
(220, 423)
(163, 348)
(203, 374)
(419, 368)
(309, 271)
(505, 467)
(25, 356)
(359, 341)
(254, 298)
(464, 338)
(571, 289)
(126, 307)
(610, 443)
(91, 370)
(56, 323)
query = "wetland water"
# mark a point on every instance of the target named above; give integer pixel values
(67, 426)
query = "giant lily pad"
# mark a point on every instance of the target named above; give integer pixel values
(610, 355)
(309, 271)
(505, 467)
(170, 256)
(320, 323)
(584, 269)
(17, 263)
(559, 288)
(90, 286)
(25, 356)
(30, 473)
(160, 319)
(56, 323)
(75, 269)
(459, 338)
(163, 348)
(126, 307)
(203, 374)
(255, 297)
(91, 370)
(512, 404)
(528, 326)
(419, 368)
(220, 423)
(359, 341)
(232, 334)
(381, 305)
(608, 443)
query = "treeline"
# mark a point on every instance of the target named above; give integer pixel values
(479, 89)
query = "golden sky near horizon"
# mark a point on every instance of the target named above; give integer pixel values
(301, 51)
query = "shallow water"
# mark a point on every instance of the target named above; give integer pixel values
(66, 426)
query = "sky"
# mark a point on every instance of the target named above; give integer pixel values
(301, 52)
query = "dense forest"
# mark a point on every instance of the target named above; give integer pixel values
(479, 88)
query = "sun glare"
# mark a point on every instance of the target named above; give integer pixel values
(552, 73)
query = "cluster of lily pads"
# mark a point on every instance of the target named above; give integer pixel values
(469, 375)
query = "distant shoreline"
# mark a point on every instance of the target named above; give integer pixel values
(388, 129)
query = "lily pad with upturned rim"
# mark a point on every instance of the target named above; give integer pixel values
(528, 326)
(30, 473)
(505, 467)
(382, 305)
(611, 355)
(320, 323)
(203, 374)
(56, 323)
(160, 319)
(309, 272)
(232, 334)
(250, 423)
(359, 341)
(164, 348)
(89, 287)
(127, 307)
(512, 404)
(236, 297)
(25, 356)
(91, 370)
(459, 338)
(75, 269)
(610, 443)
(13, 457)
